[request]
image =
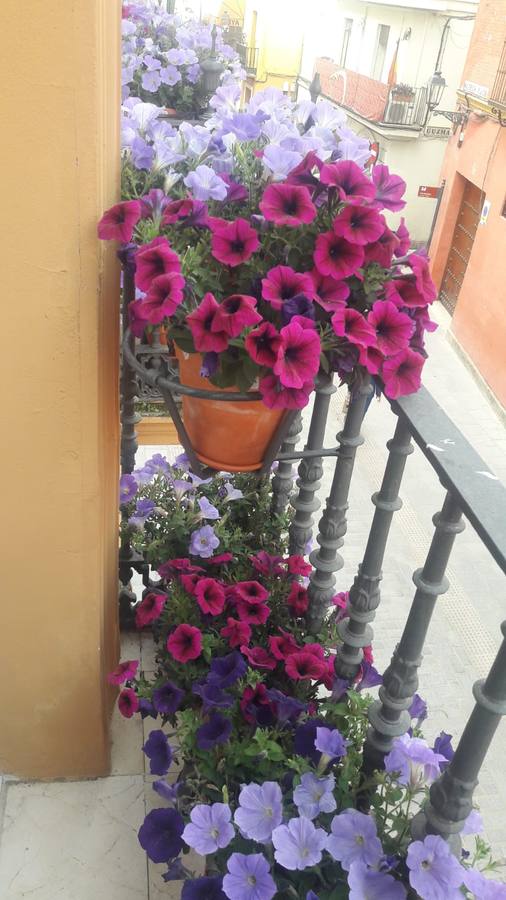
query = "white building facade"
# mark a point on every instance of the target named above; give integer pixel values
(375, 59)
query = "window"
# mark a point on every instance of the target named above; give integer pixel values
(380, 51)
(348, 25)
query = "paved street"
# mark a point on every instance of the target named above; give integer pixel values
(92, 853)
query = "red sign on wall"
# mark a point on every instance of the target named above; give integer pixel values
(426, 190)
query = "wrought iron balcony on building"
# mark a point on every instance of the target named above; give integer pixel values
(249, 59)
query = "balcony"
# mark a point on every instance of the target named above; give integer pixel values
(371, 99)
(249, 59)
(498, 93)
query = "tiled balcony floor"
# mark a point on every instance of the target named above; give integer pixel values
(78, 840)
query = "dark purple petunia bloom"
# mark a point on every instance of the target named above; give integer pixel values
(368, 677)
(207, 888)
(175, 872)
(159, 753)
(418, 709)
(215, 731)
(167, 699)
(286, 707)
(227, 669)
(126, 256)
(212, 695)
(146, 708)
(305, 735)
(160, 834)
(209, 365)
(443, 745)
(297, 306)
(168, 791)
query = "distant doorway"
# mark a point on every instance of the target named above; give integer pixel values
(461, 246)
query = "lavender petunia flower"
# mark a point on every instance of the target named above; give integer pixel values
(212, 695)
(298, 844)
(418, 709)
(244, 126)
(232, 492)
(168, 698)
(330, 743)
(473, 823)
(180, 487)
(210, 828)
(143, 510)
(483, 888)
(225, 98)
(315, 795)
(159, 753)
(142, 154)
(157, 465)
(326, 115)
(128, 488)
(203, 542)
(168, 791)
(353, 838)
(248, 878)
(152, 205)
(226, 670)
(151, 81)
(207, 509)
(193, 73)
(160, 834)
(182, 461)
(280, 161)
(365, 882)
(260, 810)
(433, 870)
(151, 63)
(170, 75)
(209, 887)
(176, 56)
(205, 184)
(413, 759)
(216, 730)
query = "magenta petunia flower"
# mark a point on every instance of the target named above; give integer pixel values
(185, 643)
(404, 239)
(393, 328)
(200, 324)
(251, 592)
(263, 344)
(304, 666)
(351, 324)
(162, 299)
(404, 292)
(283, 645)
(297, 565)
(137, 324)
(382, 250)
(258, 657)
(276, 396)
(128, 703)
(149, 609)
(284, 283)
(297, 599)
(252, 614)
(420, 268)
(298, 356)
(288, 204)
(330, 294)
(335, 256)
(234, 314)
(236, 192)
(237, 633)
(359, 224)
(118, 223)
(210, 596)
(371, 359)
(193, 212)
(190, 582)
(401, 373)
(154, 259)
(233, 243)
(352, 185)
(304, 173)
(389, 189)
(123, 672)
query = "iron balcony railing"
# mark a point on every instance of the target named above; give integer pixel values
(407, 109)
(471, 491)
(249, 59)
(498, 94)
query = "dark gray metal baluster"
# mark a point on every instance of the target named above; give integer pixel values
(282, 483)
(311, 469)
(128, 386)
(451, 796)
(388, 715)
(332, 526)
(355, 630)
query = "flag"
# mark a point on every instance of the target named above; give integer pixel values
(392, 72)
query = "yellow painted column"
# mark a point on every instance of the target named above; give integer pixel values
(59, 71)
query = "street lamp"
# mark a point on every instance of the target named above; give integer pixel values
(435, 87)
(211, 68)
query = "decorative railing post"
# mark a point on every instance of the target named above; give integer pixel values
(355, 631)
(451, 796)
(282, 483)
(388, 716)
(332, 526)
(128, 385)
(311, 469)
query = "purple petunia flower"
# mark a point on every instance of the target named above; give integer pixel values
(193, 73)
(182, 461)
(280, 161)
(226, 670)
(160, 834)
(248, 878)
(203, 542)
(147, 709)
(232, 492)
(207, 509)
(216, 730)
(170, 75)
(167, 699)
(157, 465)
(413, 759)
(168, 791)
(297, 306)
(330, 743)
(443, 745)
(483, 888)
(365, 882)
(159, 753)
(473, 823)
(315, 795)
(151, 81)
(205, 184)
(210, 828)
(433, 870)
(286, 707)
(260, 810)
(418, 709)
(210, 362)
(369, 677)
(353, 839)
(304, 738)
(209, 887)
(298, 844)
(175, 871)
(212, 695)
(143, 510)
(128, 488)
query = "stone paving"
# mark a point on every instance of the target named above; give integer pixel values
(78, 840)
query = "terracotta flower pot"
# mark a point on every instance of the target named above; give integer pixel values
(162, 335)
(227, 435)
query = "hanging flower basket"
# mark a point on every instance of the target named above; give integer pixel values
(228, 435)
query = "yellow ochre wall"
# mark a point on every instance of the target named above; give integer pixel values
(278, 35)
(59, 71)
